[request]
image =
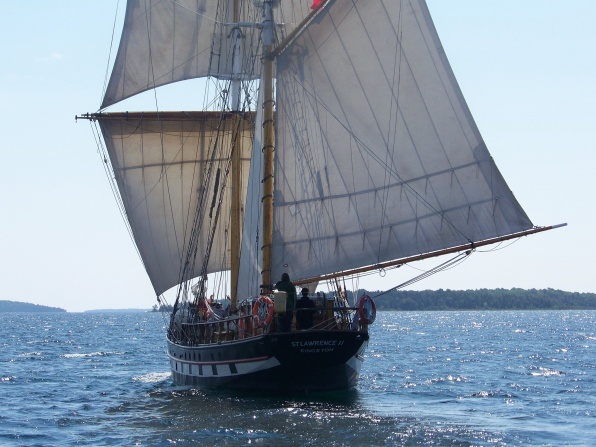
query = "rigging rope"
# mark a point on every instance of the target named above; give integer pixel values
(444, 266)
(393, 117)
(106, 77)
(103, 154)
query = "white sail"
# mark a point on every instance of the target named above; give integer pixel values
(251, 255)
(162, 166)
(165, 41)
(377, 154)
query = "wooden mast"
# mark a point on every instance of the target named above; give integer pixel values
(235, 212)
(268, 147)
(269, 131)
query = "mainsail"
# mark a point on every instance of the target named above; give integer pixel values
(377, 154)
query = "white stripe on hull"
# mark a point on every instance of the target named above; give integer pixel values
(221, 369)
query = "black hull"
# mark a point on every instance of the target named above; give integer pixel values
(294, 361)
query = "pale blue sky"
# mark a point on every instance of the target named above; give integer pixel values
(526, 67)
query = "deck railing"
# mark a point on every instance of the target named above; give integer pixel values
(222, 330)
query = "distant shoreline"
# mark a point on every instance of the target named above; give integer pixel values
(18, 306)
(483, 299)
(425, 300)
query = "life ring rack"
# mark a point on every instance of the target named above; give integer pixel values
(367, 310)
(262, 311)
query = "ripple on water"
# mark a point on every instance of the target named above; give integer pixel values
(442, 378)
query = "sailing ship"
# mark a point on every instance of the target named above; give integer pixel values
(333, 141)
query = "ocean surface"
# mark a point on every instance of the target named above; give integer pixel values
(429, 379)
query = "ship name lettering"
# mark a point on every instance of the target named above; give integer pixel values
(314, 343)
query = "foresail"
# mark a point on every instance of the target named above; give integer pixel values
(170, 168)
(251, 255)
(165, 41)
(377, 154)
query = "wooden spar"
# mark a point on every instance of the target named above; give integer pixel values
(399, 262)
(290, 37)
(268, 149)
(163, 116)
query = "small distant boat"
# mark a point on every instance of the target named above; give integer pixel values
(333, 141)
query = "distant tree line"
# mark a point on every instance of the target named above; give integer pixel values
(16, 306)
(483, 299)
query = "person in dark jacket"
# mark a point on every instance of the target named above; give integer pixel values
(285, 285)
(304, 318)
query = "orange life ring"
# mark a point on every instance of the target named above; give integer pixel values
(367, 309)
(262, 311)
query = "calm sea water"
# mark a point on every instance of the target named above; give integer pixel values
(430, 378)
